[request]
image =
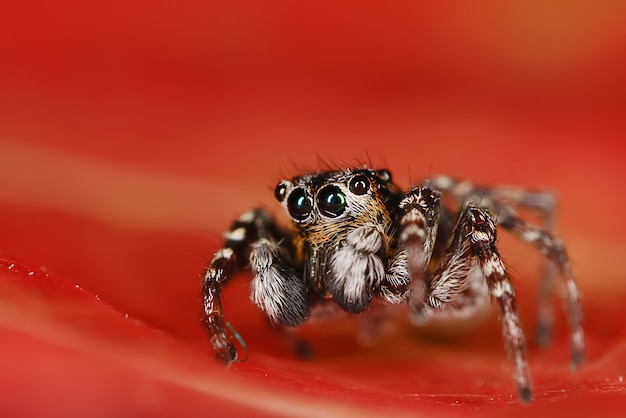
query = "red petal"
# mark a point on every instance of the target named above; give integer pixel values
(125, 130)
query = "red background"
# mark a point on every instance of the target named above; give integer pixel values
(130, 136)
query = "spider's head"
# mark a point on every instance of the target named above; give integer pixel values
(327, 205)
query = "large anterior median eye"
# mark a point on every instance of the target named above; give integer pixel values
(299, 204)
(331, 201)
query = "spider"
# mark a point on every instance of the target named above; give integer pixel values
(356, 237)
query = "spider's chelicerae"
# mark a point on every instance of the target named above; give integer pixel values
(356, 237)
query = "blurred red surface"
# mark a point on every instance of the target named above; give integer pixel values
(130, 135)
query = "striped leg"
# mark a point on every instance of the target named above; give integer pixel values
(475, 240)
(510, 198)
(418, 233)
(215, 278)
(545, 204)
(251, 227)
(554, 250)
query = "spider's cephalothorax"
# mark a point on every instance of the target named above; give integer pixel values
(356, 237)
(343, 222)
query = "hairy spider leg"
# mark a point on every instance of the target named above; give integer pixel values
(247, 236)
(417, 235)
(553, 249)
(215, 277)
(510, 197)
(474, 240)
(545, 203)
(418, 226)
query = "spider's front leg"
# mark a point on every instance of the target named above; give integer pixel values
(277, 289)
(450, 289)
(418, 232)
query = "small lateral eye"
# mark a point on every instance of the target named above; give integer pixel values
(280, 191)
(359, 185)
(299, 204)
(331, 201)
(384, 174)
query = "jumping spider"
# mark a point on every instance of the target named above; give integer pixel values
(355, 236)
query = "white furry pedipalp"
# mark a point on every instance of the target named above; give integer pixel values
(276, 288)
(356, 268)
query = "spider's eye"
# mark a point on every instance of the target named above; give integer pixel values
(280, 192)
(299, 204)
(359, 185)
(384, 175)
(331, 201)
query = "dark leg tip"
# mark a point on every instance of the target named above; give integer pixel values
(303, 350)
(577, 358)
(525, 394)
(226, 355)
(544, 334)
